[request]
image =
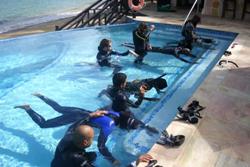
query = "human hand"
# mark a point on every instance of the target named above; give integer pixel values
(98, 113)
(143, 89)
(149, 47)
(144, 158)
(152, 27)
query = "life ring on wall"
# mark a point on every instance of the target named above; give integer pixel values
(137, 7)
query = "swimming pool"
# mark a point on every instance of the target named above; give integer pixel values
(61, 65)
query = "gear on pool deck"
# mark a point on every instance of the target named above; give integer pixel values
(170, 140)
(192, 114)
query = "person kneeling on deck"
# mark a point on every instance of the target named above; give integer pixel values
(133, 88)
(104, 55)
(190, 37)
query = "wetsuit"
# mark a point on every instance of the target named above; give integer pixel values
(104, 58)
(134, 86)
(171, 50)
(188, 34)
(68, 155)
(78, 116)
(121, 101)
(141, 42)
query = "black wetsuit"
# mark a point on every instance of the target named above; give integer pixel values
(104, 58)
(188, 32)
(121, 101)
(68, 155)
(78, 116)
(141, 42)
(134, 86)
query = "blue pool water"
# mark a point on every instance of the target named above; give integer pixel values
(61, 65)
(16, 14)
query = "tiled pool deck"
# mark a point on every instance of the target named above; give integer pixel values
(222, 138)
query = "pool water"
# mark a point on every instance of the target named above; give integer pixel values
(15, 14)
(61, 65)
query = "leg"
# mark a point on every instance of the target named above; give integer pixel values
(57, 107)
(185, 51)
(141, 56)
(165, 50)
(55, 122)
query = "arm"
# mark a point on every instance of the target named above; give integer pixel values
(119, 54)
(102, 139)
(142, 158)
(140, 97)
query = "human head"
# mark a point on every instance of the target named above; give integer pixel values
(119, 80)
(143, 28)
(83, 136)
(105, 45)
(160, 83)
(195, 20)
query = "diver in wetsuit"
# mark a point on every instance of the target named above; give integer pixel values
(141, 41)
(104, 120)
(133, 88)
(70, 152)
(104, 55)
(188, 32)
(118, 92)
(190, 37)
(141, 45)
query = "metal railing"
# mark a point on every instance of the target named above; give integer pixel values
(190, 12)
(99, 13)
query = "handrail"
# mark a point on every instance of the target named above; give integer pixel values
(80, 14)
(189, 13)
(101, 12)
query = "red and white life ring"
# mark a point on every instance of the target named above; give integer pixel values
(138, 7)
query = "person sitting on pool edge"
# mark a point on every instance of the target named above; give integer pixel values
(103, 120)
(133, 88)
(104, 55)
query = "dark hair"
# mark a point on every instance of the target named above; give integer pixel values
(104, 43)
(160, 83)
(143, 27)
(119, 79)
(195, 20)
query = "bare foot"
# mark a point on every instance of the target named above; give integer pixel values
(37, 94)
(25, 107)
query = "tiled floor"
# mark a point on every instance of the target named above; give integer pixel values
(222, 138)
